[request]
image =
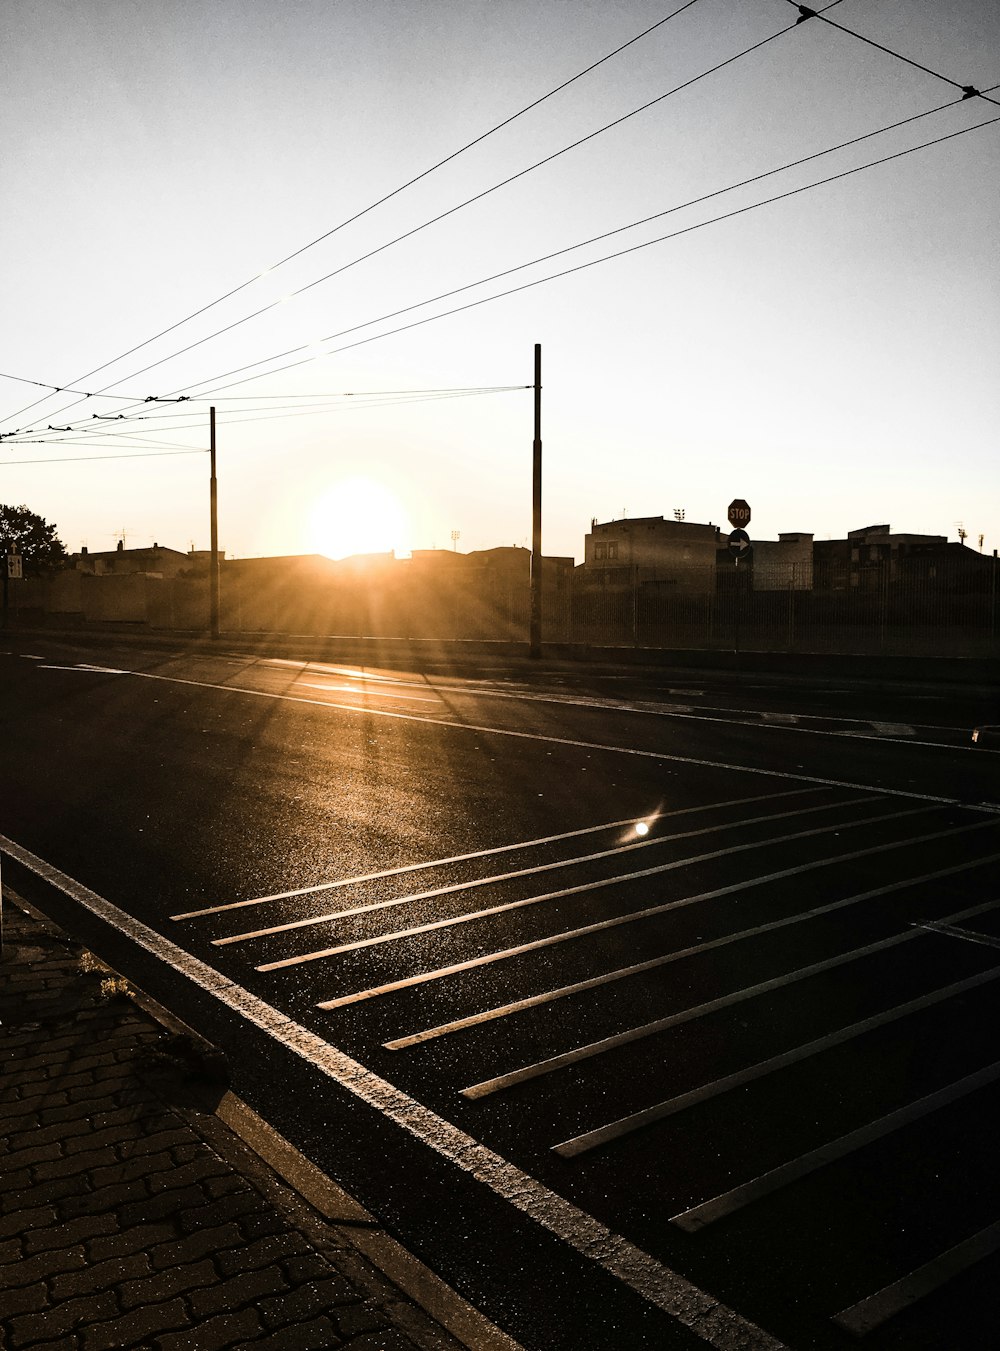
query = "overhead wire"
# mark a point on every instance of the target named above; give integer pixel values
(621, 253)
(425, 173)
(968, 90)
(593, 239)
(548, 159)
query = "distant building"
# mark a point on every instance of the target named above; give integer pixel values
(679, 555)
(778, 565)
(155, 561)
(871, 556)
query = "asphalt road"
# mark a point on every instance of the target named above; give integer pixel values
(612, 993)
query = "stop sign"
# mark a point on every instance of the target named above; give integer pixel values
(739, 512)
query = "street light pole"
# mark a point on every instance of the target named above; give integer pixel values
(535, 642)
(213, 495)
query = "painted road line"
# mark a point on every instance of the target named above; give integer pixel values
(626, 1125)
(621, 878)
(941, 926)
(488, 853)
(663, 757)
(869, 1314)
(625, 972)
(698, 1217)
(570, 935)
(696, 1011)
(660, 1286)
(366, 693)
(453, 887)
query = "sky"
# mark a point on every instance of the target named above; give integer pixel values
(833, 357)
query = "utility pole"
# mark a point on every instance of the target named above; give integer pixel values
(213, 565)
(535, 643)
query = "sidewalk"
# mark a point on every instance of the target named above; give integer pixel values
(132, 1216)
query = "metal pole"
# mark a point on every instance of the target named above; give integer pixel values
(535, 645)
(213, 494)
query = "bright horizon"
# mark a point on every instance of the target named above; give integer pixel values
(830, 357)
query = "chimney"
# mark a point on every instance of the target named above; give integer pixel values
(121, 546)
(84, 549)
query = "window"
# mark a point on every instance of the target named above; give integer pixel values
(600, 551)
(613, 549)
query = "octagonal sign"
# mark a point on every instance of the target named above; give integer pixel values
(739, 512)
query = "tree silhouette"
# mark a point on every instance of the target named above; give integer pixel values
(25, 533)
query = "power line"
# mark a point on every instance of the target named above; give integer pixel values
(264, 415)
(548, 159)
(968, 90)
(483, 281)
(581, 267)
(408, 395)
(365, 211)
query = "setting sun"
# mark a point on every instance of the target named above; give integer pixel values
(358, 516)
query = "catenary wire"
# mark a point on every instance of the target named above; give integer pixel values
(968, 91)
(621, 253)
(747, 51)
(496, 276)
(506, 122)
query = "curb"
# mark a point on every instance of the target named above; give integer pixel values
(311, 1187)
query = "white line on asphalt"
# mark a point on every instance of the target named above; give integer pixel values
(662, 756)
(626, 1125)
(491, 911)
(968, 935)
(657, 1284)
(587, 1052)
(453, 887)
(625, 972)
(869, 1314)
(570, 935)
(367, 693)
(698, 1217)
(487, 853)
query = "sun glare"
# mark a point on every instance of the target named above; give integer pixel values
(358, 516)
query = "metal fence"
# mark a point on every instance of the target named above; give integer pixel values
(883, 609)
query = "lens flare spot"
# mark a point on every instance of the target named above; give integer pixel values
(641, 828)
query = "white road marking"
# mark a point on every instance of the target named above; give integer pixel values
(869, 1314)
(571, 935)
(626, 1125)
(729, 1202)
(508, 906)
(366, 693)
(713, 1322)
(633, 1034)
(894, 729)
(452, 887)
(969, 936)
(484, 853)
(624, 972)
(661, 756)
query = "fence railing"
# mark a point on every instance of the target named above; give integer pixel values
(885, 608)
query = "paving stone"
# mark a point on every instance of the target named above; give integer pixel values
(136, 1329)
(252, 1255)
(73, 1231)
(151, 1208)
(156, 1289)
(28, 1299)
(307, 1301)
(21, 1221)
(224, 1333)
(43, 1265)
(314, 1336)
(96, 1276)
(192, 1247)
(205, 1169)
(354, 1318)
(143, 1236)
(220, 1211)
(123, 1170)
(246, 1288)
(74, 1164)
(60, 1319)
(107, 1199)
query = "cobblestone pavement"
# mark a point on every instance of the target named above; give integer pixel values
(130, 1216)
